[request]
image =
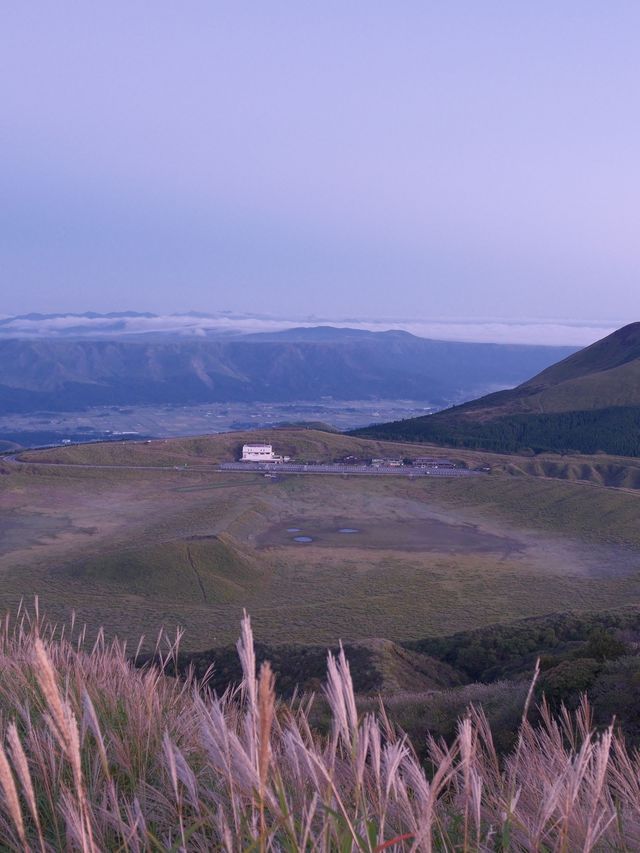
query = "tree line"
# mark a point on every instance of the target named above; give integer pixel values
(614, 430)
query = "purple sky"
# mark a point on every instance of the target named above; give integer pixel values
(367, 159)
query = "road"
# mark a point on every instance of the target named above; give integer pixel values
(339, 468)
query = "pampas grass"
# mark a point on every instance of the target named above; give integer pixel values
(96, 755)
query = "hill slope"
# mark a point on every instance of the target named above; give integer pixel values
(588, 402)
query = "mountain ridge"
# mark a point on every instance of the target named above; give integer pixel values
(299, 364)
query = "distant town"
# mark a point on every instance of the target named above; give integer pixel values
(115, 423)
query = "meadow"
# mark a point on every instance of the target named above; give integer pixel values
(136, 549)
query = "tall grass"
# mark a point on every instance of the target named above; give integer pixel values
(98, 755)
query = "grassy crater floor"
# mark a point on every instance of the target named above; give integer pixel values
(135, 549)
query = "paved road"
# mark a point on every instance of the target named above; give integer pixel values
(338, 468)
(13, 459)
(266, 468)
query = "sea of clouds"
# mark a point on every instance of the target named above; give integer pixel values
(544, 332)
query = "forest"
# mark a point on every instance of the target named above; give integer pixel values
(614, 430)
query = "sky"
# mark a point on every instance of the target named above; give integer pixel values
(371, 160)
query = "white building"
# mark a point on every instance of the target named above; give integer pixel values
(259, 453)
(387, 463)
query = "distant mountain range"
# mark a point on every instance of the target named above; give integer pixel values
(225, 324)
(587, 402)
(71, 371)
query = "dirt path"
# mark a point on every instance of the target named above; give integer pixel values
(193, 565)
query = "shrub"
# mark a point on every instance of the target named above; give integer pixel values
(565, 683)
(616, 693)
(603, 645)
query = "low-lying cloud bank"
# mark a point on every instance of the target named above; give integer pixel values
(545, 332)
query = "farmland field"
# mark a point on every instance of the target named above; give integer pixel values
(136, 550)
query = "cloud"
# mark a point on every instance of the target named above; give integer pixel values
(541, 332)
(547, 332)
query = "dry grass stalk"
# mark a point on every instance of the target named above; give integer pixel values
(21, 766)
(10, 797)
(266, 710)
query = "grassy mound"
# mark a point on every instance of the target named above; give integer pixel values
(198, 569)
(306, 445)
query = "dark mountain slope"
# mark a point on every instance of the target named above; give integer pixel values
(301, 364)
(588, 402)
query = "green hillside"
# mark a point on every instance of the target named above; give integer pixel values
(588, 402)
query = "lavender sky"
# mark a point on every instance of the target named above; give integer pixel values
(345, 159)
